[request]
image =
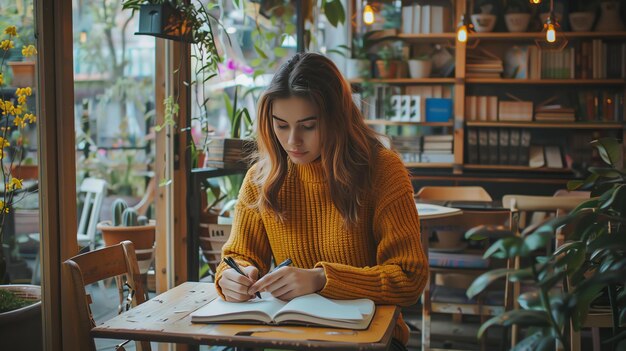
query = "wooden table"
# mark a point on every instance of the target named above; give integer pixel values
(166, 318)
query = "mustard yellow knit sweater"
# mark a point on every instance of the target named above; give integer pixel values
(380, 259)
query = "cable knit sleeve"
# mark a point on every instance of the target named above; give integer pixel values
(401, 271)
(247, 243)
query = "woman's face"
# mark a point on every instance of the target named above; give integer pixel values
(296, 125)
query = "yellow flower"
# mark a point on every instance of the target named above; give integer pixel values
(15, 184)
(29, 50)
(11, 30)
(18, 121)
(30, 117)
(4, 143)
(6, 44)
(1, 79)
(21, 100)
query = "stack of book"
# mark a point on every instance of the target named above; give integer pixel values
(228, 152)
(408, 147)
(484, 65)
(555, 113)
(426, 19)
(438, 149)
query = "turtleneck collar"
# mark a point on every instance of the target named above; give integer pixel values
(311, 172)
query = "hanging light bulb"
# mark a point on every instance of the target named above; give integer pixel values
(535, 2)
(461, 34)
(550, 33)
(554, 39)
(368, 15)
(463, 29)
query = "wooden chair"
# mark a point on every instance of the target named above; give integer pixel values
(446, 275)
(453, 193)
(522, 206)
(82, 270)
(453, 272)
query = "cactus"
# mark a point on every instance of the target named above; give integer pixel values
(142, 220)
(129, 218)
(117, 209)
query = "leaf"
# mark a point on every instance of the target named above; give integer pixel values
(505, 248)
(334, 12)
(610, 151)
(519, 317)
(280, 51)
(228, 105)
(260, 52)
(605, 172)
(617, 199)
(485, 279)
(538, 239)
(574, 184)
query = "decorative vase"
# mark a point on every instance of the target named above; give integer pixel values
(517, 22)
(609, 20)
(483, 22)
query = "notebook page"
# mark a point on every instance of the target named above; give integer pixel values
(257, 309)
(318, 306)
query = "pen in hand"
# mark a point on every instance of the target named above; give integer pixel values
(232, 264)
(284, 263)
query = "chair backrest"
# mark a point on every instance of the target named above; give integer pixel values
(531, 203)
(94, 190)
(82, 270)
(453, 193)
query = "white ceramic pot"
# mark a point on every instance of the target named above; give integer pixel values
(483, 22)
(517, 22)
(420, 68)
(581, 21)
(357, 68)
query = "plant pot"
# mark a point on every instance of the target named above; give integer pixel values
(23, 73)
(517, 22)
(581, 21)
(141, 236)
(358, 68)
(164, 21)
(387, 69)
(229, 153)
(25, 171)
(21, 329)
(420, 68)
(483, 22)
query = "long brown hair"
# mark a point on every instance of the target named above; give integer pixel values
(349, 146)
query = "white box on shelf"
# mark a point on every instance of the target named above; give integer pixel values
(515, 111)
(405, 110)
(415, 109)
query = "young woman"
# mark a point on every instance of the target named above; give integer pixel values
(327, 194)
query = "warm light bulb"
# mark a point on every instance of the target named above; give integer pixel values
(461, 34)
(368, 15)
(551, 33)
(535, 2)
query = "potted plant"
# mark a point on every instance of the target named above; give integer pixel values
(517, 15)
(591, 261)
(389, 62)
(582, 17)
(359, 64)
(420, 66)
(20, 306)
(484, 17)
(127, 225)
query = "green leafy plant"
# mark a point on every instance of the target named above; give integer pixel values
(591, 263)
(9, 301)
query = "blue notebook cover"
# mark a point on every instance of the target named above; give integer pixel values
(438, 110)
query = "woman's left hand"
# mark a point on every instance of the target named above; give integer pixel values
(287, 283)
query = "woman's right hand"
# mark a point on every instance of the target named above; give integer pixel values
(235, 286)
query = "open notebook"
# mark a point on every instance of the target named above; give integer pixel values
(312, 309)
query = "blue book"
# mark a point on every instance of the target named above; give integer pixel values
(438, 110)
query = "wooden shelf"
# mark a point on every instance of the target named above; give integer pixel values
(545, 81)
(385, 122)
(405, 80)
(427, 37)
(537, 124)
(539, 35)
(516, 168)
(427, 165)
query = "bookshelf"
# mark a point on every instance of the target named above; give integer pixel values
(595, 94)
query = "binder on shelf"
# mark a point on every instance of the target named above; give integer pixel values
(514, 136)
(524, 141)
(472, 146)
(503, 149)
(536, 159)
(553, 157)
(493, 146)
(483, 146)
